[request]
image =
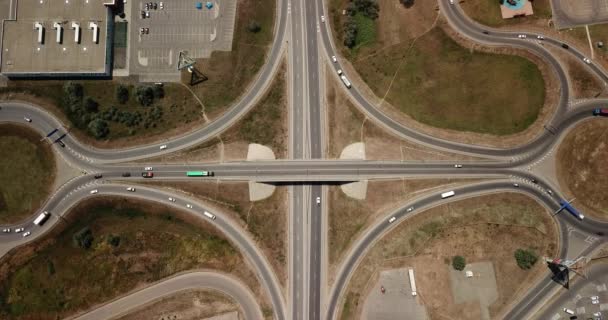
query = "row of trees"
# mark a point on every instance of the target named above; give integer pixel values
(525, 259)
(83, 111)
(368, 8)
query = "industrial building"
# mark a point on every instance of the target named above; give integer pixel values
(58, 39)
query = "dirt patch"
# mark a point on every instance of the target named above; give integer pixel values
(471, 228)
(265, 219)
(581, 167)
(188, 305)
(348, 125)
(348, 217)
(130, 244)
(27, 172)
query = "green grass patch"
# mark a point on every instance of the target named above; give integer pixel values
(27, 171)
(447, 86)
(366, 30)
(62, 278)
(120, 34)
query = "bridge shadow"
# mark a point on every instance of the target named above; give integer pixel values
(305, 183)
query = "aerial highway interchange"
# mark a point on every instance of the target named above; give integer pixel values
(309, 45)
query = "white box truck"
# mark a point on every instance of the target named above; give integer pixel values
(447, 194)
(41, 218)
(209, 215)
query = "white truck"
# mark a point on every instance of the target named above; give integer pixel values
(41, 218)
(346, 82)
(447, 194)
(209, 215)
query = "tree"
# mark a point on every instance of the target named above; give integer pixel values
(98, 128)
(351, 9)
(122, 94)
(254, 26)
(113, 240)
(73, 90)
(525, 258)
(459, 263)
(159, 92)
(83, 238)
(145, 95)
(90, 105)
(368, 8)
(407, 3)
(350, 32)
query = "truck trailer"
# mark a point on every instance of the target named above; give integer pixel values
(41, 218)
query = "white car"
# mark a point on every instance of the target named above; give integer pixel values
(410, 209)
(26, 234)
(587, 61)
(94, 191)
(161, 5)
(148, 169)
(334, 59)
(521, 36)
(171, 199)
(163, 147)
(339, 72)
(457, 166)
(189, 205)
(549, 191)
(451, 1)
(322, 18)
(131, 189)
(318, 200)
(539, 37)
(27, 119)
(392, 219)
(595, 301)
(6, 230)
(516, 185)
(19, 230)
(595, 298)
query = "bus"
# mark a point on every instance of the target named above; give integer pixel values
(41, 218)
(199, 173)
(447, 194)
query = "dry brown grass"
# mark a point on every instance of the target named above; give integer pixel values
(265, 219)
(471, 228)
(348, 217)
(187, 305)
(581, 161)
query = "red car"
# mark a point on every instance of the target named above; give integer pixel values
(147, 174)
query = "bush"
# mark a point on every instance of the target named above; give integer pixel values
(407, 3)
(90, 105)
(525, 258)
(458, 262)
(254, 26)
(350, 32)
(122, 94)
(144, 95)
(159, 92)
(83, 238)
(98, 128)
(73, 91)
(113, 240)
(368, 8)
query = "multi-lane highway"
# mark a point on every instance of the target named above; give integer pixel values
(298, 29)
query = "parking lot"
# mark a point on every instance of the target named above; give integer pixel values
(178, 26)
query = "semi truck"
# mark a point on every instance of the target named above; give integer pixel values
(346, 82)
(41, 218)
(600, 112)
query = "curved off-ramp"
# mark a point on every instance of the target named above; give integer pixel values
(167, 287)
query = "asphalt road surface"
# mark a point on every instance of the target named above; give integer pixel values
(165, 288)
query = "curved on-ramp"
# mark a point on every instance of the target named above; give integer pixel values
(167, 287)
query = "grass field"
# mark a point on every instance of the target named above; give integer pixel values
(230, 73)
(470, 228)
(27, 172)
(60, 277)
(487, 12)
(439, 83)
(580, 167)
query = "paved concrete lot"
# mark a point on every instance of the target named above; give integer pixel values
(569, 13)
(481, 287)
(179, 26)
(397, 301)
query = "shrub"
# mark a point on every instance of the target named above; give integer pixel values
(113, 240)
(122, 94)
(458, 262)
(254, 26)
(90, 105)
(83, 238)
(525, 258)
(144, 95)
(98, 128)
(350, 32)
(159, 92)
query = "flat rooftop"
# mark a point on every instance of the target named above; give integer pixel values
(23, 53)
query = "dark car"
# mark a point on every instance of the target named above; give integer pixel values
(565, 46)
(155, 5)
(485, 32)
(126, 174)
(148, 174)
(534, 181)
(98, 176)
(61, 143)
